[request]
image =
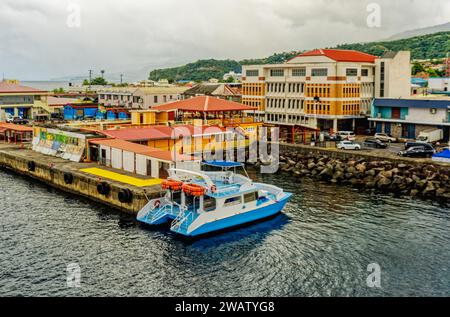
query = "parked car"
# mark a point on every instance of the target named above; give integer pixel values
(348, 145)
(370, 131)
(414, 144)
(385, 137)
(375, 143)
(347, 135)
(9, 117)
(417, 151)
(19, 120)
(331, 137)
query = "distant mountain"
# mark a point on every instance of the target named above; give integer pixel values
(419, 32)
(422, 47)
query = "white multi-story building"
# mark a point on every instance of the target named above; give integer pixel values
(324, 89)
(139, 97)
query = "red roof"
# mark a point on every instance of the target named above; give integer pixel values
(203, 104)
(342, 55)
(141, 149)
(15, 127)
(160, 132)
(9, 88)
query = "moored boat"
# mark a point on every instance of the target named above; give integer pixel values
(197, 203)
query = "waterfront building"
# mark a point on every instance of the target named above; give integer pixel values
(324, 89)
(23, 101)
(232, 92)
(14, 133)
(80, 111)
(407, 117)
(139, 97)
(138, 159)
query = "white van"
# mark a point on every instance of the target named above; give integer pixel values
(347, 135)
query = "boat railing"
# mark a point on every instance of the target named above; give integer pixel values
(181, 219)
(162, 211)
(152, 205)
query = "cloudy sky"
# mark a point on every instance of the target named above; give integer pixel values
(39, 39)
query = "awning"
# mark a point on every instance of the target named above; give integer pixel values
(222, 164)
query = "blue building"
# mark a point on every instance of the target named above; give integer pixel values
(80, 112)
(406, 118)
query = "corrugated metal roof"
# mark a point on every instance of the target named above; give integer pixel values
(9, 88)
(203, 104)
(341, 55)
(142, 149)
(416, 103)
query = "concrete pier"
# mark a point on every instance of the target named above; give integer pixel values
(51, 170)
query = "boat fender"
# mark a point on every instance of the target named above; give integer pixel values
(157, 203)
(68, 178)
(103, 188)
(31, 166)
(213, 188)
(125, 195)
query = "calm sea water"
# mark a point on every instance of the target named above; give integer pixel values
(320, 246)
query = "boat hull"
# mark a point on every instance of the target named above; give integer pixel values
(240, 219)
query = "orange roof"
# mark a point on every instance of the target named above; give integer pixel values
(15, 127)
(342, 55)
(8, 88)
(203, 104)
(141, 149)
(159, 132)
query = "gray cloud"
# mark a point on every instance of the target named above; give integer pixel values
(117, 35)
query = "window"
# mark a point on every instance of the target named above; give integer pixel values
(232, 201)
(364, 72)
(155, 99)
(433, 110)
(299, 72)
(252, 73)
(209, 204)
(316, 72)
(248, 198)
(277, 72)
(351, 72)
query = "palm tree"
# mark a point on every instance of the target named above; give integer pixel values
(103, 73)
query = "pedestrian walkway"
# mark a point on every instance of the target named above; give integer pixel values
(122, 178)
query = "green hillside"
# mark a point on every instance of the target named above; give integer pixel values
(422, 47)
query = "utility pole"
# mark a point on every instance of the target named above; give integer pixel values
(103, 73)
(121, 78)
(90, 78)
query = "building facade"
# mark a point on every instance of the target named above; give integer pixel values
(139, 97)
(406, 118)
(22, 101)
(439, 85)
(323, 89)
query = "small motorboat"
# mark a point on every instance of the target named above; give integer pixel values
(200, 202)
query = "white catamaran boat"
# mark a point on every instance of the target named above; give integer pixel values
(202, 202)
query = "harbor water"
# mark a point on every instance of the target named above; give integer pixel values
(320, 246)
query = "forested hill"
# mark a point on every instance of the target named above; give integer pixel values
(422, 47)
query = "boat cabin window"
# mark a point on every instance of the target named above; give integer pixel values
(248, 198)
(232, 201)
(209, 204)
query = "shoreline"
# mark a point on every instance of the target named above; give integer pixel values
(385, 173)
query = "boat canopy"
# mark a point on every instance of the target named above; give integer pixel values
(222, 164)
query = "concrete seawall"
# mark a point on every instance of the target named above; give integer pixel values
(51, 170)
(371, 171)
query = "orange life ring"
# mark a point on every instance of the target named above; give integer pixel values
(172, 184)
(194, 189)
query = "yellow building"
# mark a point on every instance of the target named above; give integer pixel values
(21, 101)
(323, 89)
